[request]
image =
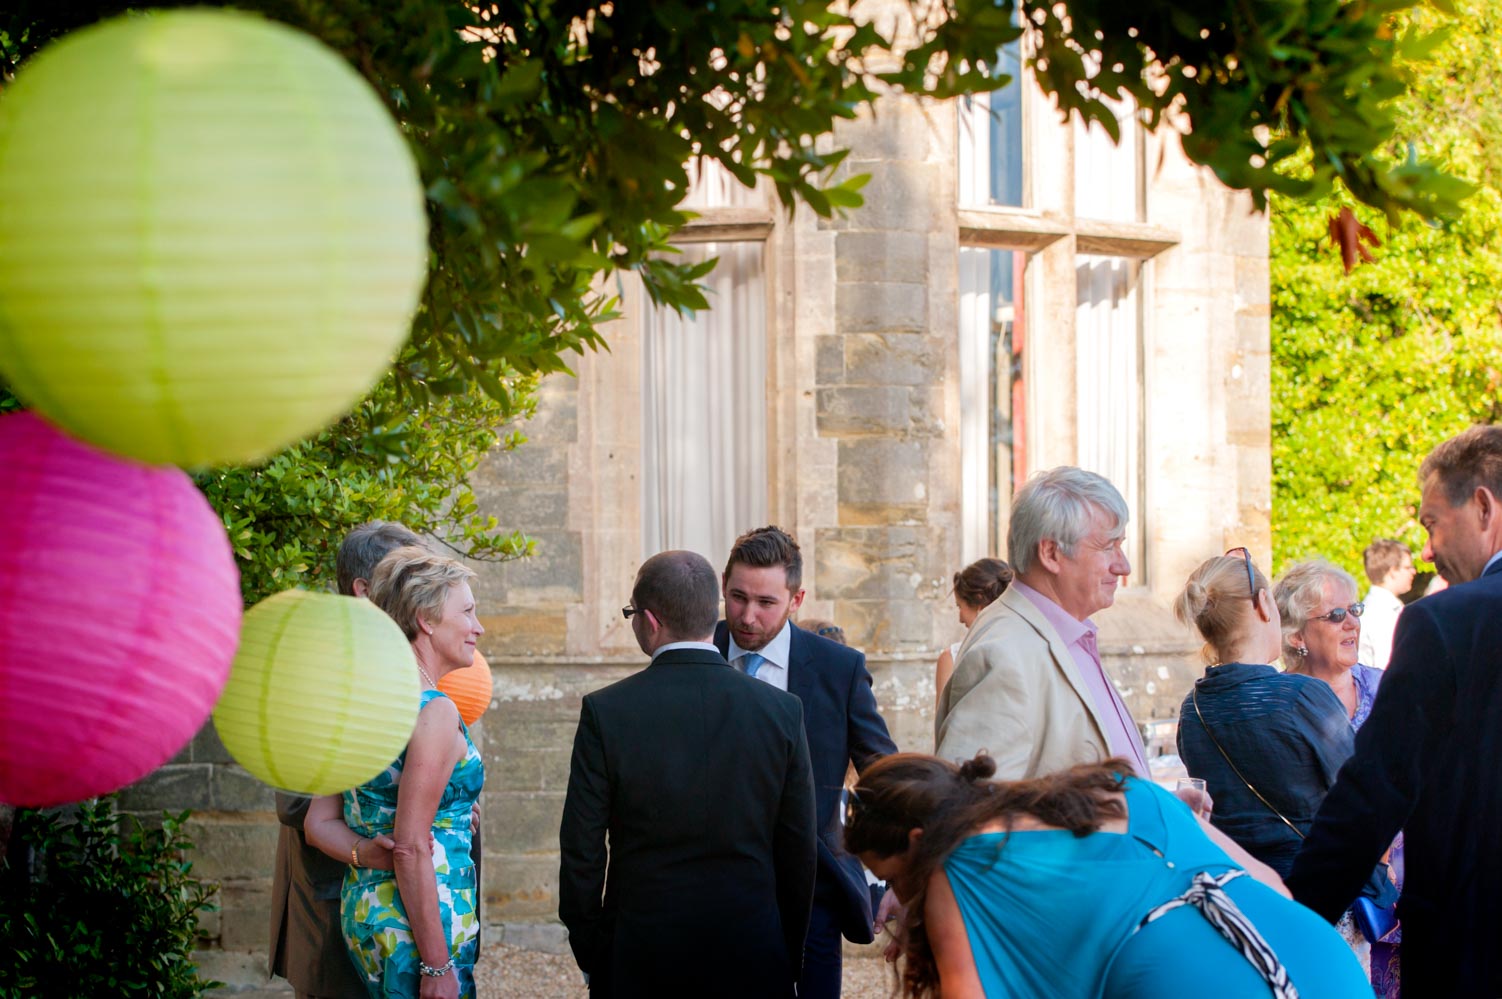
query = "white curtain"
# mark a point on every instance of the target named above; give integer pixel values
(1107, 175)
(704, 410)
(1108, 343)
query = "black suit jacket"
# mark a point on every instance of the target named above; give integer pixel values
(1428, 761)
(844, 727)
(700, 777)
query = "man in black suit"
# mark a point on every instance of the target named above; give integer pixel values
(763, 585)
(700, 778)
(1426, 761)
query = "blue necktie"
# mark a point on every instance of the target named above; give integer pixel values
(751, 662)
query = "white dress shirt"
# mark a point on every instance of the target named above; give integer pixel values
(707, 646)
(1377, 624)
(775, 654)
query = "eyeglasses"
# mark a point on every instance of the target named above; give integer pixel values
(851, 806)
(628, 610)
(1339, 614)
(1251, 579)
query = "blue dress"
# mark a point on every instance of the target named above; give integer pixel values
(1049, 914)
(373, 918)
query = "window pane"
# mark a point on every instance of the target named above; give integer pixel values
(704, 410)
(1107, 175)
(990, 156)
(1108, 332)
(990, 340)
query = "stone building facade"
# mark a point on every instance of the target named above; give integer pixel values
(1015, 294)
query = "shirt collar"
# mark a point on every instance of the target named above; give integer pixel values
(706, 646)
(777, 652)
(1070, 628)
(1381, 597)
(1494, 558)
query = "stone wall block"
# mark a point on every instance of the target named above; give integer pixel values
(829, 360)
(554, 574)
(233, 789)
(525, 823)
(245, 915)
(891, 359)
(899, 197)
(520, 886)
(523, 631)
(228, 851)
(208, 747)
(876, 411)
(172, 788)
(864, 306)
(881, 256)
(868, 564)
(532, 464)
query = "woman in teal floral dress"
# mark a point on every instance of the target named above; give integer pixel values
(414, 931)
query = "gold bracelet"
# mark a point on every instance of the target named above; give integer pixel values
(354, 852)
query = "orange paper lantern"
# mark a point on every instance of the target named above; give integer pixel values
(470, 688)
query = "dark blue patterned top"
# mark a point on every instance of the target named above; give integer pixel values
(1288, 735)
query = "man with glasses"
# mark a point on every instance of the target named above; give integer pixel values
(1426, 761)
(688, 842)
(1028, 685)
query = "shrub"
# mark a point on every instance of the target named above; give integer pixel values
(89, 908)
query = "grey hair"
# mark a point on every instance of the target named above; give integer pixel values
(1058, 505)
(1299, 592)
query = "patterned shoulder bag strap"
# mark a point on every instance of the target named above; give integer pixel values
(1237, 770)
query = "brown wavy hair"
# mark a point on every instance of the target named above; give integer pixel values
(949, 802)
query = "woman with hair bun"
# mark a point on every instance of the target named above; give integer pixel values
(1081, 884)
(976, 587)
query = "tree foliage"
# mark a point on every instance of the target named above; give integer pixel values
(1372, 370)
(553, 138)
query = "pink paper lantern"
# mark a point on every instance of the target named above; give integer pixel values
(119, 613)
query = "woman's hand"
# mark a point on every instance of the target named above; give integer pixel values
(445, 986)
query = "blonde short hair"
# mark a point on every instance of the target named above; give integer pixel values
(413, 581)
(1299, 592)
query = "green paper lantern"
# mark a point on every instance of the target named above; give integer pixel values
(212, 236)
(323, 693)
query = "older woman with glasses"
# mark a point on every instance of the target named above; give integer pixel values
(1322, 633)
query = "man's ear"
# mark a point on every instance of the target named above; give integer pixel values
(1049, 555)
(360, 587)
(796, 602)
(1486, 507)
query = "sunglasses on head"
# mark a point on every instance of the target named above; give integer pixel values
(1251, 579)
(851, 806)
(1339, 614)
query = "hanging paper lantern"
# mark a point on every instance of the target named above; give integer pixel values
(323, 694)
(212, 236)
(119, 607)
(469, 688)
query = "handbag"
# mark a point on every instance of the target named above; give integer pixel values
(1375, 920)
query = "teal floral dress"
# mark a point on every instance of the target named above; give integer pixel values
(374, 921)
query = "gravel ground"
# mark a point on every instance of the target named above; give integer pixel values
(512, 973)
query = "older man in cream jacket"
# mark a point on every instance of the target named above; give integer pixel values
(1028, 685)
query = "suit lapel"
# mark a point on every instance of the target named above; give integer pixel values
(1024, 608)
(800, 669)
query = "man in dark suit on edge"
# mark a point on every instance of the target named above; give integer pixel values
(700, 777)
(1426, 761)
(763, 585)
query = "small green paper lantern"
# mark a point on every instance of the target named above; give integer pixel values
(212, 236)
(323, 693)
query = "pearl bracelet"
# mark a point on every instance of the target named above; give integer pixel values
(432, 972)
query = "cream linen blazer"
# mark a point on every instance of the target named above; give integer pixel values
(1017, 694)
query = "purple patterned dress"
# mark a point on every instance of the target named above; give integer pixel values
(1386, 980)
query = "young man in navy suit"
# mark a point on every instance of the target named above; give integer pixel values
(763, 588)
(1426, 761)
